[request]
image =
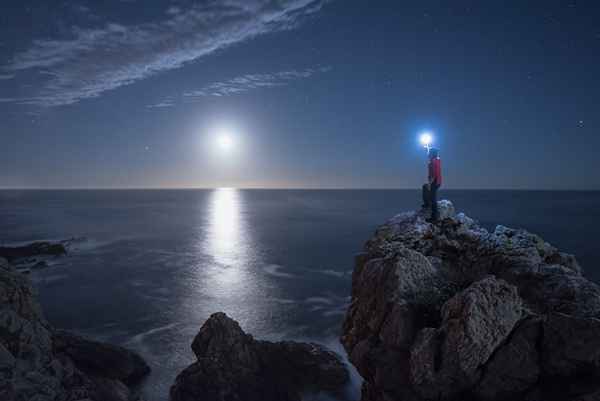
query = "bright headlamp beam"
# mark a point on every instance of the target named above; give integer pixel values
(426, 139)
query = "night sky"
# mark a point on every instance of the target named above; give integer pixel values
(316, 94)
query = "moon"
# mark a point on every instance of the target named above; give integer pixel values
(225, 142)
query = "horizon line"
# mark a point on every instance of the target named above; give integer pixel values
(290, 188)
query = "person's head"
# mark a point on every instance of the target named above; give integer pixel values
(433, 153)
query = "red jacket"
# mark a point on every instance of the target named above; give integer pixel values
(435, 171)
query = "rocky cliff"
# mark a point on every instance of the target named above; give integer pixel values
(40, 363)
(453, 312)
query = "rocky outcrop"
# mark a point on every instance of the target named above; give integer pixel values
(39, 363)
(232, 366)
(35, 255)
(450, 311)
(33, 249)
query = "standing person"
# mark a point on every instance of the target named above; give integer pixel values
(434, 179)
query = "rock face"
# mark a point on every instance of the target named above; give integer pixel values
(233, 366)
(453, 312)
(39, 363)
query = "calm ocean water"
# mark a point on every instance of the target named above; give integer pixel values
(152, 265)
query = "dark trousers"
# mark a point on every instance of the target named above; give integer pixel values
(430, 199)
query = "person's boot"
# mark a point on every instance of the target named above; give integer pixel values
(433, 219)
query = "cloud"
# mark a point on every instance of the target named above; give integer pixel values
(82, 8)
(93, 61)
(6, 76)
(173, 10)
(249, 82)
(163, 104)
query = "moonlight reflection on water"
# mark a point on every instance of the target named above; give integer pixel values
(232, 278)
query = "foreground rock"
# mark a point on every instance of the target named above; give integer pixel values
(233, 366)
(454, 312)
(39, 363)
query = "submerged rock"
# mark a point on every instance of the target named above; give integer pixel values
(39, 363)
(450, 311)
(232, 366)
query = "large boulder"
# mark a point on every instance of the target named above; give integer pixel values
(447, 360)
(514, 367)
(571, 346)
(232, 366)
(451, 311)
(39, 363)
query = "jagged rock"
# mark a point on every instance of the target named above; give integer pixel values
(33, 249)
(458, 312)
(101, 359)
(474, 322)
(571, 345)
(32, 368)
(446, 209)
(232, 366)
(514, 367)
(379, 283)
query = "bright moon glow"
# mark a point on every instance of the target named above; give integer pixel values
(225, 142)
(426, 138)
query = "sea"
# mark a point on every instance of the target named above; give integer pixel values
(147, 267)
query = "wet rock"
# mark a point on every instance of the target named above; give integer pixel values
(459, 312)
(101, 359)
(232, 365)
(33, 249)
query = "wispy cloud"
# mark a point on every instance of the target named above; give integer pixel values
(6, 76)
(249, 82)
(163, 104)
(93, 61)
